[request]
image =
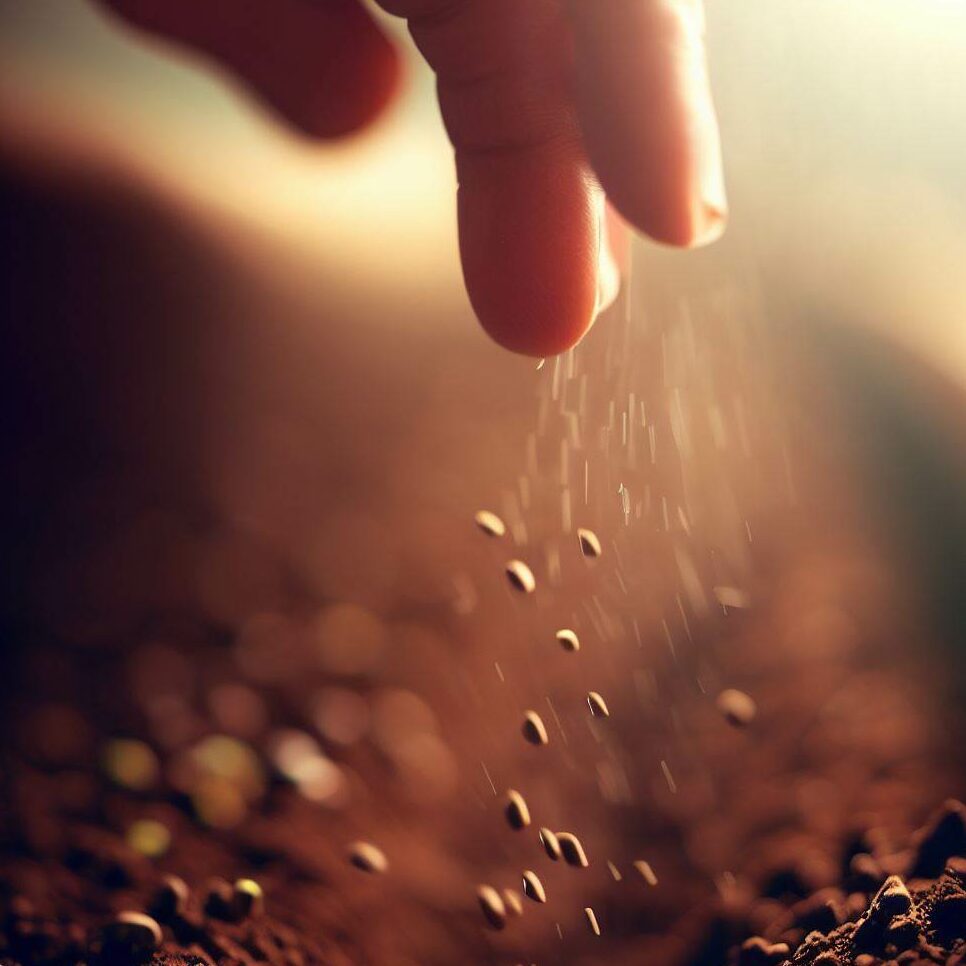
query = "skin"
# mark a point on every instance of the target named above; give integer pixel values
(567, 118)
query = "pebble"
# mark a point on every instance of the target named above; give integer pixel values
(517, 813)
(533, 729)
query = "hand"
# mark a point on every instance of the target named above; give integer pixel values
(548, 103)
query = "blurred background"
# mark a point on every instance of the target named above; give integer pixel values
(250, 417)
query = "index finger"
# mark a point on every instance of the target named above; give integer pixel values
(647, 117)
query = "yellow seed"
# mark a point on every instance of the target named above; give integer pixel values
(550, 843)
(248, 898)
(533, 729)
(568, 639)
(517, 813)
(647, 873)
(131, 764)
(149, 837)
(521, 577)
(737, 707)
(513, 902)
(492, 905)
(533, 887)
(589, 543)
(368, 857)
(592, 920)
(598, 706)
(490, 523)
(572, 850)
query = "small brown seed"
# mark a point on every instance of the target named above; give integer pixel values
(521, 577)
(517, 813)
(572, 850)
(647, 873)
(568, 639)
(598, 706)
(218, 900)
(171, 898)
(738, 709)
(134, 933)
(490, 523)
(589, 543)
(513, 902)
(368, 857)
(492, 905)
(248, 899)
(550, 843)
(592, 920)
(533, 729)
(533, 887)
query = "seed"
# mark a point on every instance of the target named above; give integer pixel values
(517, 813)
(248, 899)
(533, 887)
(614, 871)
(592, 920)
(598, 706)
(134, 933)
(550, 843)
(513, 902)
(368, 857)
(219, 900)
(568, 640)
(731, 597)
(490, 523)
(533, 729)
(737, 708)
(131, 764)
(589, 543)
(572, 851)
(149, 837)
(647, 873)
(171, 898)
(492, 905)
(521, 576)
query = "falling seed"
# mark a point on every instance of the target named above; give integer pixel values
(589, 543)
(131, 764)
(368, 857)
(171, 898)
(598, 706)
(647, 873)
(533, 887)
(550, 843)
(517, 813)
(513, 902)
(132, 933)
(737, 708)
(614, 871)
(572, 851)
(533, 729)
(490, 523)
(592, 920)
(149, 837)
(492, 905)
(731, 597)
(568, 640)
(248, 900)
(521, 576)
